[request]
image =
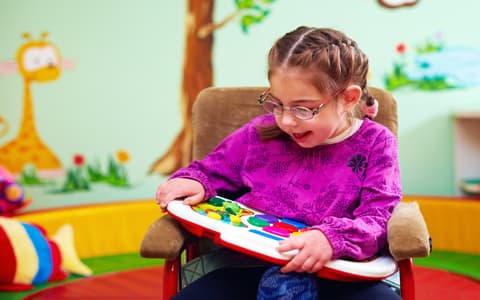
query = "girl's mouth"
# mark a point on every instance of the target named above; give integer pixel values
(300, 136)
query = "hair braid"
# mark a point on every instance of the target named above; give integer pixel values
(329, 58)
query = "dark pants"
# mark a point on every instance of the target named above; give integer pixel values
(242, 283)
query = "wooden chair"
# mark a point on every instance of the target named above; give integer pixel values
(216, 113)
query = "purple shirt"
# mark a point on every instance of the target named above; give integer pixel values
(347, 190)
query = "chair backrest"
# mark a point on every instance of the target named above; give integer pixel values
(218, 111)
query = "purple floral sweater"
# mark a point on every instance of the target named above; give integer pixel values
(347, 190)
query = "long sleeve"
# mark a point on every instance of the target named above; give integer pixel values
(221, 169)
(364, 234)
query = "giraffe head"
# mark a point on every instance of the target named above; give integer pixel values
(38, 60)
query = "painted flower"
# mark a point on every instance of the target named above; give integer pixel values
(78, 160)
(401, 48)
(123, 156)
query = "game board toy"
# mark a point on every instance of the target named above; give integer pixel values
(238, 227)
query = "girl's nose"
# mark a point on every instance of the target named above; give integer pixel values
(287, 118)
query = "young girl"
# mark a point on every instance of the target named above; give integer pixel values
(310, 160)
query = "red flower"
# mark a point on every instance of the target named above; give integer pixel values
(78, 160)
(401, 47)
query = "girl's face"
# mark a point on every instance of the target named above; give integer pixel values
(292, 89)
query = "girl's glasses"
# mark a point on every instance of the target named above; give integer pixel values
(267, 101)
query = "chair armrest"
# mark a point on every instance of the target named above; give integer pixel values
(407, 232)
(164, 239)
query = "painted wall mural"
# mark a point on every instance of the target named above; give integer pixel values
(27, 156)
(36, 61)
(397, 3)
(141, 107)
(81, 174)
(434, 66)
(198, 73)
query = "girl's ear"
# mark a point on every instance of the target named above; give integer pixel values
(350, 97)
(352, 94)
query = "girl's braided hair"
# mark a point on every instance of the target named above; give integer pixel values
(330, 58)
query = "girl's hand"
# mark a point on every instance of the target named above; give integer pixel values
(314, 251)
(191, 190)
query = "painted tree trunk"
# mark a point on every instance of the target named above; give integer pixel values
(197, 75)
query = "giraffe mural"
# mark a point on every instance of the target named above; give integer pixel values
(36, 61)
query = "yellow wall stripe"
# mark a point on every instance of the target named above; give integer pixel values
(453, 223)
(103, 229)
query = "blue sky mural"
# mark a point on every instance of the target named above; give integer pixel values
(458, 65)
(434, 66)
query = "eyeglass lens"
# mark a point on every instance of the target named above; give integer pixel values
(276, 108)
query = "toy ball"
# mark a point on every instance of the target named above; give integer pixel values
(12, 196)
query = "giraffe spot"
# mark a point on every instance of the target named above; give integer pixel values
(25, 135)
(23, 149)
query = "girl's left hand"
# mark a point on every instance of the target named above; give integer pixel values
(314, 251)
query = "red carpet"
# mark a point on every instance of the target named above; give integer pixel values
(138, 284)
(436, 284)
(145, 283)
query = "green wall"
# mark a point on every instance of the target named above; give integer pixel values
(124, 91)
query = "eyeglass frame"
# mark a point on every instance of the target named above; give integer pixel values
(263, 99)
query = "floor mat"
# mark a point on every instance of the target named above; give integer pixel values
(443, 285)
(146, 284)
(141, 284)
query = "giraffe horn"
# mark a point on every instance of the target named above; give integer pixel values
(27, 36)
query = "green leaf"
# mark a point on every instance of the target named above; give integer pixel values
(244, 4)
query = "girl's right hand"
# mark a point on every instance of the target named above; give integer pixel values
(190, 190)
(314, 251)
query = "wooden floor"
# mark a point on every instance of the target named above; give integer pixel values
(144, 284)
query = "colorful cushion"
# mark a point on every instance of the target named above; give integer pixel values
(28, 257)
